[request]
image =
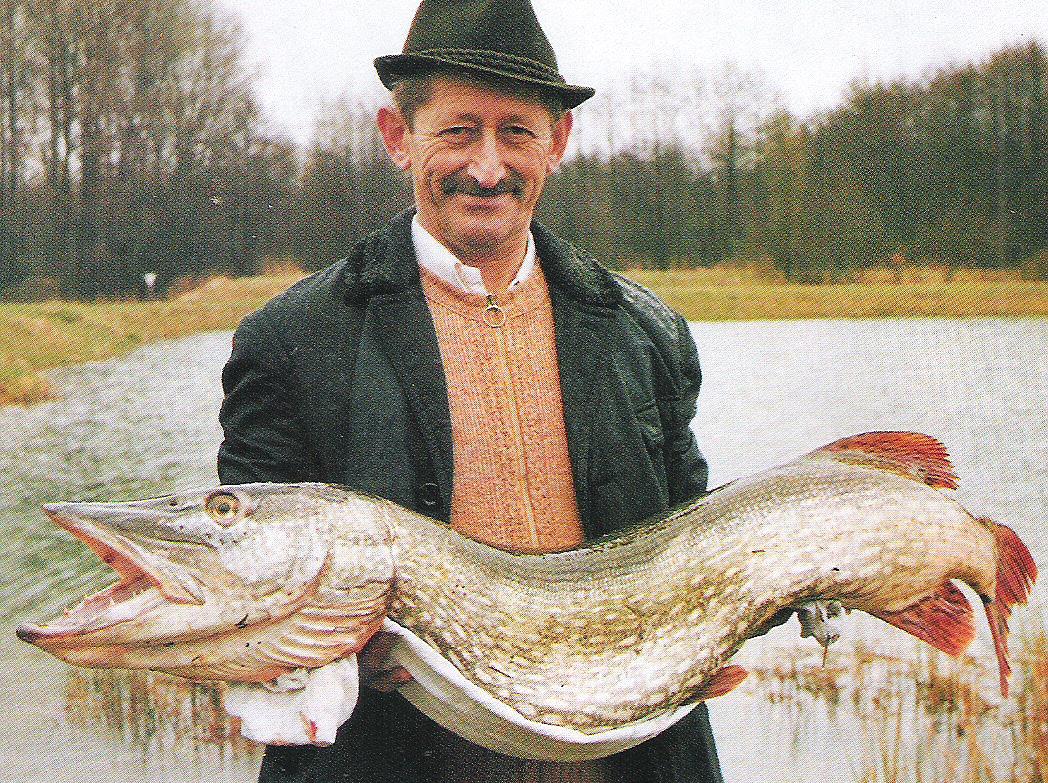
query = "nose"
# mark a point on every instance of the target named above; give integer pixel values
(486, 165)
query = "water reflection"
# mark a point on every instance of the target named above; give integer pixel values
(147, 425)
(773, 390)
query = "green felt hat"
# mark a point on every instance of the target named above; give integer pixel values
(498, 37)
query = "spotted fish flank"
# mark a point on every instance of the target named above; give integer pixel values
(257, 583)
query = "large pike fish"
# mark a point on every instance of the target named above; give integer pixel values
(275, 588)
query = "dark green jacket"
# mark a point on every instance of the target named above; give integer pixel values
(340, 380)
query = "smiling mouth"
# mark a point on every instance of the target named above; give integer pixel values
(498, 200)
(145, 582)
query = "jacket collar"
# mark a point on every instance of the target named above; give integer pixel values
(385, 263)
(384, 273)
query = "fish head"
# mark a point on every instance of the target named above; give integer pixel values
(200, 566)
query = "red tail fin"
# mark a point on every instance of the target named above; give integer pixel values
(910, 454)
(1016, 573)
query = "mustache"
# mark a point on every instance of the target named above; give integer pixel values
(513, 184)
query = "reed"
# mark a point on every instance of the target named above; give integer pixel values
(920, 717)
(910, 717)
(152, 711)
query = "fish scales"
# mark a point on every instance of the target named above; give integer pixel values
(650, 570)
(608, 635)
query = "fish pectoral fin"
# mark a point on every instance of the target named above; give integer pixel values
(304, 716)
(943, 619)
(723, 681)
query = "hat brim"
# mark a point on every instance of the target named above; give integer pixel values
(394, 67)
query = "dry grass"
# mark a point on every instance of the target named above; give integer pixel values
(926, 718)
(707, 295)
(897, 272)
(40, 336)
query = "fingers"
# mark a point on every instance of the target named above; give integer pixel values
(376, 670)
(376, 651)
(387, 680)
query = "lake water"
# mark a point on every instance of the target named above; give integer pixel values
(773, 390)
(147, 425)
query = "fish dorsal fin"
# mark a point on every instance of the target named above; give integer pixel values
(910, 454)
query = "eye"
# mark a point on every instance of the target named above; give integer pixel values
(223, 507)
(517, 135)
(457, 134)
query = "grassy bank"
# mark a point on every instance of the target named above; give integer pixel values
(697, 298)
(37, 337)
(40, 336)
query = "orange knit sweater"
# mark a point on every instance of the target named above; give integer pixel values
(513, 486)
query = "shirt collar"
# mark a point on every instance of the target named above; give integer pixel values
(434, 257)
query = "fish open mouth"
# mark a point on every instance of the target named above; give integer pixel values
(146, 581)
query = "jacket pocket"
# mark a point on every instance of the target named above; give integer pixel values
(650, 425)
(612, 508)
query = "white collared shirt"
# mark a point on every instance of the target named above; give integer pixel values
(437, 259)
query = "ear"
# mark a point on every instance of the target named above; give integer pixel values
(561, 133)
(394, 129)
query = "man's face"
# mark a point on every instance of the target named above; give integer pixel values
(479, 160)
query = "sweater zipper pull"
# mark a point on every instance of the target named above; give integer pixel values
(494, 315)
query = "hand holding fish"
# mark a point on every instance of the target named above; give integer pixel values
(563, 656)
(376, 669)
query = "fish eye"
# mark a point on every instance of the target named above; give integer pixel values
(223, 507)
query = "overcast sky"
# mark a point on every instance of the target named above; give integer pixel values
(808, 50)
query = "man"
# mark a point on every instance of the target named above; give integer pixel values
(468, 364)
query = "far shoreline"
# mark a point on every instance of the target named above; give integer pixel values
(36, 337)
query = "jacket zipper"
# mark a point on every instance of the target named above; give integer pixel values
(495, 317)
